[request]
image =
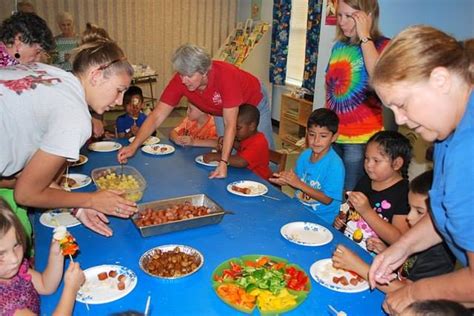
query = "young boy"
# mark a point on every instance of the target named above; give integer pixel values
(197, 129)
(319, 172)
(436, 260)
(250, 144)
(128, 124)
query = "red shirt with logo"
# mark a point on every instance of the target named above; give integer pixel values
(227, 87)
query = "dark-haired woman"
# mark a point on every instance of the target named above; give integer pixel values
(24, 37)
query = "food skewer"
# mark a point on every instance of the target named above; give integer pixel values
(270, 197)
(66, 184)
(147, 306)
(340, 313)
(67, 243)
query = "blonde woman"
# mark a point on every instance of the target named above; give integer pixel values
(358, 45)
(425, 77)
(66, 41)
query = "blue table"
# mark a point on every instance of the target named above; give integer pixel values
(254, 229)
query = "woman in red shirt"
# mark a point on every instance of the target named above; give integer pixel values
(217, 88)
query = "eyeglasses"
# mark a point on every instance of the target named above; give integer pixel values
(107, 65)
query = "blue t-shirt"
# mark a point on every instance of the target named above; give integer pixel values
(452, 193)
(124, 122)
(325, 175)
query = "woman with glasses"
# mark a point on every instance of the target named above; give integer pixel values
(215, 87)
(45, 120)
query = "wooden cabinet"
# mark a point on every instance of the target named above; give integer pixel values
(293, 118)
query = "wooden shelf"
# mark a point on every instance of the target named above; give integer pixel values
(293, 119)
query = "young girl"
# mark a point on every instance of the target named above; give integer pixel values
(196, 129)
(21, 286)
(436, 260)
(379, 201)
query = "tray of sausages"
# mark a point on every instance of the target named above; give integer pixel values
(175, 214)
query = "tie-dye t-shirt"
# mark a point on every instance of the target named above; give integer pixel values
(349, 95)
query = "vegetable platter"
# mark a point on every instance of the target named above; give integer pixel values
(270, 284)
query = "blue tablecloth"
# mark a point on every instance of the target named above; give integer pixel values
(254, 229)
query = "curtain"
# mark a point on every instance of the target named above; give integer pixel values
(147, 30)
(312, 43)
(280, 31)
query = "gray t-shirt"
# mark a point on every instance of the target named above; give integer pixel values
(41, 107)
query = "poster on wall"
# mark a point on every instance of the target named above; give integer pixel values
(256, 9)
(331, 18)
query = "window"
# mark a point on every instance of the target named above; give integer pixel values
(297, 43)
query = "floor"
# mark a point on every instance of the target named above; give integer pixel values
(177, 116)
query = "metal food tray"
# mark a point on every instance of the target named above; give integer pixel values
(217, 212)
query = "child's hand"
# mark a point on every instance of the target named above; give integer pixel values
(375, 244)
(338, 223)
(74, 276)
(134, 129)
(285, 178)
(360, 202)
(346, 259)
(211, 157)
(184, 140)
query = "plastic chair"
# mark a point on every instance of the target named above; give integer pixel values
(277, 163)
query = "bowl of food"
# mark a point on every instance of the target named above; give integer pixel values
(123, 178)
(171, 261)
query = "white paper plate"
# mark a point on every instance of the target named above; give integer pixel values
(82, 160)
(58, 217)
(158, 149)
(256, 188)
(82, 180)
(105, 146)
(149, 141)
(199, 159)
(323, 272)
(95, 291)
(306, 233)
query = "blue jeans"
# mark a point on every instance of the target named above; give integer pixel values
(265, 125)
(353, 156)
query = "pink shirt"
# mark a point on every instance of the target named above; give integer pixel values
(19, 293)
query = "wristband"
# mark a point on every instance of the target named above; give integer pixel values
(365, 40)
(76, 212)
(224, 161)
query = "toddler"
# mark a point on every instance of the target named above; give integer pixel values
(250, 144)
(436, 260)
(196, 129)
(128, 124)
(20, 286)
(379, 202)
(319, 173)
